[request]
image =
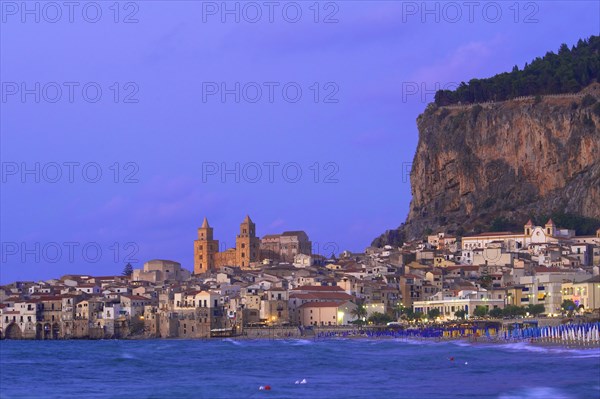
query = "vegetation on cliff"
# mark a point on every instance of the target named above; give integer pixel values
(491, 167)
(569, 71)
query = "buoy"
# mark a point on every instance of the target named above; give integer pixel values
(452, 358)
(267, 387)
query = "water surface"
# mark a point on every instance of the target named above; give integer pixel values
(354, 368)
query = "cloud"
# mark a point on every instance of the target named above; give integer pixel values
(277, 223)
(466, 62)
(162, 205)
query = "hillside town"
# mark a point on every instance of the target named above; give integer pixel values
(277, 281)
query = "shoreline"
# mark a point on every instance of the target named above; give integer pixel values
(358, 337)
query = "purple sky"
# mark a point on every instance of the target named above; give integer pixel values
(369, 63)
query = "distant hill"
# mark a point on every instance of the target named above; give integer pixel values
(569, 71)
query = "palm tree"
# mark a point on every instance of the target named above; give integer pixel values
(398, 310)
(360, 312)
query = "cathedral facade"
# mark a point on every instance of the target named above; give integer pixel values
(249, 249)
(208, 258)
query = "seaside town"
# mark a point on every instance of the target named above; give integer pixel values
(275, 286)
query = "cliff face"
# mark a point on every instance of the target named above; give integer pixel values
(508, 160)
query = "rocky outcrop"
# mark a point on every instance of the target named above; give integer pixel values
(509, 160)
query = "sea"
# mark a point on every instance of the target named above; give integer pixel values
(332, 368)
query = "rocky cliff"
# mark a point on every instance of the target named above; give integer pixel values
(481, 163)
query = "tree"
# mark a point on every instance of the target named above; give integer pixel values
(408, 314)
(536, 309)
(379, 318)
(128, 270)
(496, 313)
(460, 314)
(433, 314)
(398, 310)
(486, 281)
(513, 310)
(480, 311)
(418, 315)
(360, 312)
(564, 72)
(568, 305)
(588, 100)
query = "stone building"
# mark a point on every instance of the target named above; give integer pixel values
(208, 258)
(285, 246)
(159, 270)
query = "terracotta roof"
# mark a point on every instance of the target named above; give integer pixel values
(551, 270)
(272, 236)
(302, 296)
(492, 234)
(464, 267)
(136, 297)
(293, 233)
(334, 295)
(318, 288)
(321, 305)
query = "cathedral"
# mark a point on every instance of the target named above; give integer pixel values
(207, 257)
(249, 249)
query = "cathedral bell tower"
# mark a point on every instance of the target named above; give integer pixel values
(205, 248)
(246, 244)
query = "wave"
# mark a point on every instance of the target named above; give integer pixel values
(126, 355)
(299, 342)
(418, 341)
(233, 342)
(536, 393)
(524, 346)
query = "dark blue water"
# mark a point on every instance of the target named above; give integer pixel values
(332, 369)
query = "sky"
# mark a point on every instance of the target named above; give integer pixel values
(124, 124)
